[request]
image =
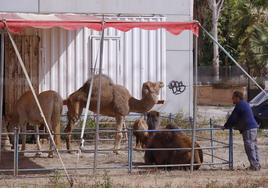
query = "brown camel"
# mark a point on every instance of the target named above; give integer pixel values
(169, 139)
(141, 137)
(116, 102)
(140, 125)
(26, 111)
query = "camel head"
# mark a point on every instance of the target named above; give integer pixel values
(150, 90)
(153, 120)
(75, 104)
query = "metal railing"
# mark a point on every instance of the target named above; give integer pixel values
(213, 145)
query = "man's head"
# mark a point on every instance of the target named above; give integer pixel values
(237, 97)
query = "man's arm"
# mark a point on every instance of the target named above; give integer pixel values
(233, 119)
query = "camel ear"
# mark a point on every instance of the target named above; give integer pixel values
(146, 88)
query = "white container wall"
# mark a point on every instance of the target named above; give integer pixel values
(131, 58)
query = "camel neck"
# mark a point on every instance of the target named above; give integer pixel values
(140, 106)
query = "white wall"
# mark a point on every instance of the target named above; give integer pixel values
(179, 49)
(173, 7)
(129, 58)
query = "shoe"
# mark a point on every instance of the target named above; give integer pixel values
(252, 168)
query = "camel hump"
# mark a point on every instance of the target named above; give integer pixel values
(106, 81)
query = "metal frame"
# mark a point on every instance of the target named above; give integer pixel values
(2, 61)
(194, 105)
(129, 166)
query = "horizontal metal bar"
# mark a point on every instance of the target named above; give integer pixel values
(110, 167)
(176, 130)
(220, 142)
(170, 149)
(177, 165)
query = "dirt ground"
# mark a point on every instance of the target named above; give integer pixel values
(113, 176)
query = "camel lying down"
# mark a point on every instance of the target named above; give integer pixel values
(27, 112)
(172, 140)
(165, 140)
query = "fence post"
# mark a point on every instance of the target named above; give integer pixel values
(211, 140)
(16, 151)
(170, 117)
(231, 164)
(130, 150)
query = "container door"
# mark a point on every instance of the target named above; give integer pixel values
(15, 80)
(111, 58)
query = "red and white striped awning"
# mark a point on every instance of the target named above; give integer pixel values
(16, 22)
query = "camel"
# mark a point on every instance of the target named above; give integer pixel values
(169, 139)
(116, 102)
(27, 112)
(140, 125)
(141, 137)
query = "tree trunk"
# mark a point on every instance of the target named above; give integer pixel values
(216, 64)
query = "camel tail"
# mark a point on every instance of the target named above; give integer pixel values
(57, 110)
(65, 102)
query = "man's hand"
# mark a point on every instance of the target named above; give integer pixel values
(219, 127)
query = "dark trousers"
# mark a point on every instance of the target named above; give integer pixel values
(251, 148)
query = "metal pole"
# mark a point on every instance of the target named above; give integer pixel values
(170, 118)
(237, 64)
(1, 89)
(194, 102)
(99, 99)
(16, 151)
(211, 140)
(131, 150)
(231, 160)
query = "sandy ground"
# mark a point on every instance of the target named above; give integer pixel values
(207, 176)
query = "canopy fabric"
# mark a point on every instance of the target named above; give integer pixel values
(16, 22)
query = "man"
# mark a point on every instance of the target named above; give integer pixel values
(243, 120)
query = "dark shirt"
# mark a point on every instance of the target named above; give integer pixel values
(241, 118)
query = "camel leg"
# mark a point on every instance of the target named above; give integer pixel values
(56, 129)
(37, 138)
(50, 153)
(68, 130)
(138, 144)
(118, 135)
(125, 129)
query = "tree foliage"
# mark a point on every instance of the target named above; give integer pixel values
(243, 31)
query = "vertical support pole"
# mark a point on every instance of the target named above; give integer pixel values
(16, 151)
(211, 140)
(170, 117)
(99, 99)
(130, 150)
(231, 159)
(1, 89)
(194, 101)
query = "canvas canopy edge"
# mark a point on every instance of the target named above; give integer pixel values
(17, 22)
